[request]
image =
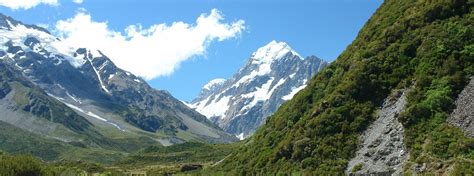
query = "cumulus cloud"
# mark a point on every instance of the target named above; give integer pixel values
(149, 52)
(26, 4)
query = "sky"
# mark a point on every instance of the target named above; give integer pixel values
(180, 45)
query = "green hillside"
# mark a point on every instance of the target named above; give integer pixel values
(427, 44)
(190, 152)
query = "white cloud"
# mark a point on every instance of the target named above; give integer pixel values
(149, 52)
(78, 1)
(26, 4)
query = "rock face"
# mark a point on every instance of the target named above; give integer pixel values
(22, 99)
(89, 83)
(463, 115)
(382, 151)
(272, 75)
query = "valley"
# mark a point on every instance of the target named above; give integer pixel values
(397, 101)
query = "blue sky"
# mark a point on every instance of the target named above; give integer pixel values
(314, 27)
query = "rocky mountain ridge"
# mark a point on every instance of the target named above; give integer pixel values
(272, 75)
(89, 83)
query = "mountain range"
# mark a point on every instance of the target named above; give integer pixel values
(78, 95)
(397, 101)
(272, 75)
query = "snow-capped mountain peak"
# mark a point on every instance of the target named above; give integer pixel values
(39, 40)
(272, 75)
(7, 23)
(272, 51)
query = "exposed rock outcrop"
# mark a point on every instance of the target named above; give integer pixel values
(382, 151)
(463, 115)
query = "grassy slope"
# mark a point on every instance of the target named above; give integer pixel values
(31, 143)
(191, 152)
(18, 141)
(154, 160)
(31, 166)
(427, 42)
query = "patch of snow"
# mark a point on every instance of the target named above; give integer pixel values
(214, 82)
(60, 86)
(73, 97)
(292, 75)
(16, 64)
(240, 136)
(57, 98)
(75, 107)
(79, 60)
(98, 76)
(27, 71)
(188, 105)
(91, 114)
(116, 126)
(111, 76)
(137, 80)
(96, 116)
(293, 92)
(262, 93)
(3, 47)
(263, 69)
(103, 65)
(278, 84)
(215, 108)
(95, 53)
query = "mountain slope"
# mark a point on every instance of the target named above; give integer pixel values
(424, 44)
(86, 83)
(271, 76)
(34, 123)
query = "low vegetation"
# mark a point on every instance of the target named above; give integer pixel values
(153, 160)
(31, 166)
(190, 152)
(424, 44)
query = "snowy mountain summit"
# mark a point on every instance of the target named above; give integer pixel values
(272, 75)
(272, 51)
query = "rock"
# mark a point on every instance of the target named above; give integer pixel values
(190, 167)
(463, 115)
(393, 161)
(382, 152)
(419, 167)
(438, 165)
(4, 89)
(375, 143)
